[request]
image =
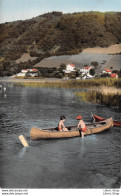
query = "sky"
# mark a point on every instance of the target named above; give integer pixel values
(12, 10)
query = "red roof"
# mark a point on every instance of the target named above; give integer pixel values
(34, 69)
(72, 65)
(88, 67)
(108, 70)
(113, 75)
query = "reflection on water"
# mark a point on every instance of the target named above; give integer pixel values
(22, 152)
(93, 162)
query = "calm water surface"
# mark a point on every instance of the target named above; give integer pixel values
(93, 162)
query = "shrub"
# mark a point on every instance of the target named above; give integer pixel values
(92, 72)
(104, 75)
(28, 74)
(95, 64)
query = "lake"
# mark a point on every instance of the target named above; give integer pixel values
(93, 162)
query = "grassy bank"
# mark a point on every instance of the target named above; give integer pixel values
(109, 96)
(105, 91)
(22, 77)
(77, 84)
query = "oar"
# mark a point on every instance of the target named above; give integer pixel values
(23, 141)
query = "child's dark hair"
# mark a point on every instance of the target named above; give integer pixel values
(62, 117)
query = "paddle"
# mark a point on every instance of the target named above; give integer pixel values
(23, 141)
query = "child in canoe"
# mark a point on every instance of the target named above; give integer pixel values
(61, 126)
(81, 125)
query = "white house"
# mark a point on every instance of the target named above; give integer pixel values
(32, 72)
(107, 71)
(114, 75)
(70, 68)
(85, 70)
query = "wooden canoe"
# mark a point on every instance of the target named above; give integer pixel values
(99, 119)
(53, 133)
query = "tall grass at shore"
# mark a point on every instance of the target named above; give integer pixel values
(77, 84)
(109, 96)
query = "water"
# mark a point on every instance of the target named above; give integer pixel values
(93, 162)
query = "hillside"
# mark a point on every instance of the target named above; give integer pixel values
(55, 34)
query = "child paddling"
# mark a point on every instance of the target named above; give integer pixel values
(81, 125)
(61, 126)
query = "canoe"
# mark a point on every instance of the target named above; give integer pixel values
(53, 133)
(99, 119)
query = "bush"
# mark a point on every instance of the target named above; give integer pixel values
(28, 74)
(62, 66)
(39, 74)
(95, 64)
(60, 75)
(115, 71)
(119, 74)
(104, 75)
(92, 72)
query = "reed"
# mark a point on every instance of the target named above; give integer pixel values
(77, 84)
(24, 77)
(109, 96)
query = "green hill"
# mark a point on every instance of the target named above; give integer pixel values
(56, 34)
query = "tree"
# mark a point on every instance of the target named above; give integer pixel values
(115, 71)
(119, 73)
(95, 64)
(105, 75)
(85, 65)
(77, 73)
(111, 67)
(63, 66)
(39, 74)
(92, 72)
(60, 75)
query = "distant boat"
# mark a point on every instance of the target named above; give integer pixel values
(53, 133)
(99, 119)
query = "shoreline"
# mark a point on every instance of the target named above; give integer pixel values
(19, 80)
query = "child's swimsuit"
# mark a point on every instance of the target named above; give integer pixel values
(59, 127)
(84, 129)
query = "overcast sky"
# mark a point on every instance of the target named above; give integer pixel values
(12, 10)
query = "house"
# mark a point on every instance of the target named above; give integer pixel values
(29, 70)
(69, 68)
(85, 71)
(24, 70)
(32, 72)
(107, 71)
(114, 75)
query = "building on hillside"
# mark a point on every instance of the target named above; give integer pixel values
(32, 72)
(29, 70)
(85, 70)
(69, 68)
(106, 71)
(114, 75)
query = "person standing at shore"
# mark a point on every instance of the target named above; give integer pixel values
(61, 126)
(81, 125)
